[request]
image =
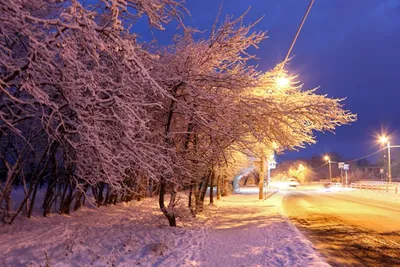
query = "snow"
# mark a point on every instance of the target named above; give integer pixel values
(123, 235)
(249, 232)
(238, 231)
(382, 196)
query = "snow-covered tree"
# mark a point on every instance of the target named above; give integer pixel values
(99, 110)
(85, 81)
(218, 99)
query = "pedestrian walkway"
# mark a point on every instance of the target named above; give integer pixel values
(249, 232)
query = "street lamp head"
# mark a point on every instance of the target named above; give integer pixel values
(282, 82)
(326, 157)
(383, 139)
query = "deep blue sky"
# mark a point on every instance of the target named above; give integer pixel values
(350, 48)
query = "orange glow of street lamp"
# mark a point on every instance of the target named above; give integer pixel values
(282, 81)
(383, 139)
(326, 157)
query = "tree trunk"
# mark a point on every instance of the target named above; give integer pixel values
(190, 204)
(212, 187)
(79, 196)
(100, 198)
(167, 212)
(219, 186)
(33, 200)
(48, 199)
(202, 193)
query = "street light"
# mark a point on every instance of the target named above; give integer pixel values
(385, 140)
(282, 82)
(326, 157)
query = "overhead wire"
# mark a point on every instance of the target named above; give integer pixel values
(376, 152)
(319, 167)
(297, 33)
(349, 161)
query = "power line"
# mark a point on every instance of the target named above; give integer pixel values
(376, 152)
(298, 32)
(349, 161)
(319, 167)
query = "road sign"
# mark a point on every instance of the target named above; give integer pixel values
(272, 164)
(341, 164)
(381, 171)
(346, 167)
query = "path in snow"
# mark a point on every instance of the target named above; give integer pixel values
(249, 232)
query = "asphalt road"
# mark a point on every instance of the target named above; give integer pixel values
(347, 231)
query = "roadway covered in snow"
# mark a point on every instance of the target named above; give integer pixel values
(349, 228)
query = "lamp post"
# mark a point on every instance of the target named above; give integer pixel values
(385, 140)
(261, 184)
(326, 157)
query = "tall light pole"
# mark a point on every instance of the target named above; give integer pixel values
(385, 140)
(326, 157)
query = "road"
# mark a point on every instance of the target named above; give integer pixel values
(346, 230)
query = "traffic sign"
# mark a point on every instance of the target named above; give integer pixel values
(272, 164)
(341, 164)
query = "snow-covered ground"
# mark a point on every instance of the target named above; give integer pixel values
(372, 194)
(238, 231)
(249, 232)
(381, 196)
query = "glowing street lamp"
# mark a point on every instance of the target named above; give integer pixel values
(282, 82)
(328, 159)
(385, 140)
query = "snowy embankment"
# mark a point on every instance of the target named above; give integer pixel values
(239, 231)
(372, 194)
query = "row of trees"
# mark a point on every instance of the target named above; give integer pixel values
(85, 107)
(316, 169)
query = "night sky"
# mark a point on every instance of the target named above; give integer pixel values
(350, 48)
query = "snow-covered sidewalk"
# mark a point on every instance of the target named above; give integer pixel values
(239, 231)
(248, 232)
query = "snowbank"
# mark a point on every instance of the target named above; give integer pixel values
(123, 235)
(372, 194)
(239, 231)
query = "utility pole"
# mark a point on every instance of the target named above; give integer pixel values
(389, 169)
(262, 177)
(384, 139)
(267, 181)
(328, 159)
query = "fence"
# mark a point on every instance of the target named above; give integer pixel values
(380, 187)
(328, 184)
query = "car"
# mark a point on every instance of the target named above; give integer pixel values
(293, 183)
